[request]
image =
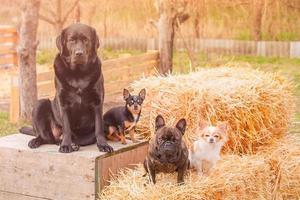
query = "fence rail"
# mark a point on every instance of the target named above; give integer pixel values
(217, 46)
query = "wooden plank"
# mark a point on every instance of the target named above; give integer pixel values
(7, 60)
(115, 63)
(46, 88)
(14, 106)
(115, 86)
(48, 175)
(4, 30)
(8, 39)
(44, 173)
(7, 51)
(294, 50)
(109, 165)
(45, 76)
(17, 196)
(124, 72)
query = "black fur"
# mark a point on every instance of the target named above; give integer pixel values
(76, 110)
(118, 115)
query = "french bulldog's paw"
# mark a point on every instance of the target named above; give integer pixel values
(104, 147)
(68, 148)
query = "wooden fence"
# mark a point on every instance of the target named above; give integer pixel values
(8, 44)
(216, 46)
(118, 74)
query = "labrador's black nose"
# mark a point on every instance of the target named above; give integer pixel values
(78, 53)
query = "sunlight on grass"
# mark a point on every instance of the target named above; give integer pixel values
(6, 127)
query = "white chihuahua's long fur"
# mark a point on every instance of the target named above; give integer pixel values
(205, 151)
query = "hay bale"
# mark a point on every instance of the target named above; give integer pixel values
(257, 105)
(272, 174)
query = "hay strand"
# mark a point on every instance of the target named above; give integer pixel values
(257, 105)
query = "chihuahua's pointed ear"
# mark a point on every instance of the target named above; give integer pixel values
(126, 94)
(181, 125)
(142, 93)
(223, 126)
(203, 125)
(159, 122)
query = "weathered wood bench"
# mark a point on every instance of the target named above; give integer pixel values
(44, 173)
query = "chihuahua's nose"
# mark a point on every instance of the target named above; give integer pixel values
(211, 140)
(135, 107)
(78, 53)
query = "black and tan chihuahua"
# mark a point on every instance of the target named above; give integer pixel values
(122, 119)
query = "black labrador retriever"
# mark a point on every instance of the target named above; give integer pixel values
(74, 117)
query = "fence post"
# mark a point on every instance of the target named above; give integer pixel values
(151, 44)
(261, 48)
(294, 50)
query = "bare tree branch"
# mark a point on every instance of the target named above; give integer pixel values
(69, 11)
(46, 19)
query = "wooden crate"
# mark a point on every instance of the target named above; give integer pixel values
(118, 74)
(44, 173)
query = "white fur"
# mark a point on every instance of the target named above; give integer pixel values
(203, 150)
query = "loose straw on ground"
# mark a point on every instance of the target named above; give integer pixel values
(274, 173)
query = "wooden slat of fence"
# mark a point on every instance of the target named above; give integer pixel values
(7, 60)
(7, 51)
(8, 39)
(46, 88)
(4, 30)
(45, 76)
(114, 63)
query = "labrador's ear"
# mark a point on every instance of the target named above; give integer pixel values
(95, 44)
(60, 42)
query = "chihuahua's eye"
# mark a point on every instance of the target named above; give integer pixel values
(216, 136)
(206, 135)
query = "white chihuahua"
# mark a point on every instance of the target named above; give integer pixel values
(205, 151)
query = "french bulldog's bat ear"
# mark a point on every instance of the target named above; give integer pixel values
(181, 125)
(126, 94)
(159, 122)
(142, 93)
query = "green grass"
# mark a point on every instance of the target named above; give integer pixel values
(47, 56)
(6, 127)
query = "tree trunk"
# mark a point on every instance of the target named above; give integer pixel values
(27, 57)
(171, 14)
(77, 13)
(165, 43)
(257, 20)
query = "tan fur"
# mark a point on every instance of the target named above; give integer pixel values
(205, 152)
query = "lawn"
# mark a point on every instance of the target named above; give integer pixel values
(285, 66)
